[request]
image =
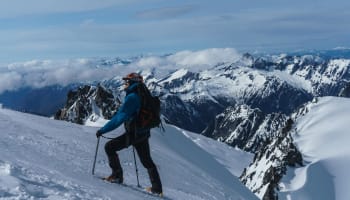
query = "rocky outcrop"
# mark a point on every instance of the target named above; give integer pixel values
(246, 128)
(88, 102)
(270, 164)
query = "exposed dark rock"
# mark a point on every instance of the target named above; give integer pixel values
(274, 157)
(345, 91)
(86, 101)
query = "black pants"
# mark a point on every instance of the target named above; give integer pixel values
(124, 141)
(143, 151)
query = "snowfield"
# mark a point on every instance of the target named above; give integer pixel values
(43, 158)
(322, 136)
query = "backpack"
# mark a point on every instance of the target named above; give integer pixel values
(149, 114)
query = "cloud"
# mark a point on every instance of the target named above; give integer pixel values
(10, 80)
(14, 8)
(207, 57)
(41, 73)
(88, 23)
(193, 60)
(37, 74)
(166, 12)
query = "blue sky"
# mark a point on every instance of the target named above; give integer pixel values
(64, 29)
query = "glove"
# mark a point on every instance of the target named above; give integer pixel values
(98, 134)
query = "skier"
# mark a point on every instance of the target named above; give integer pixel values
(127, 114)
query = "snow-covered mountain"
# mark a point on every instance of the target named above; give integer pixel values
(200, 96)
(321, 134)
(309, 157)
(246, 128)
(277, 83)
(274, 85)
(43, 158)
(88, 104)
(192, 98)
(270, 163)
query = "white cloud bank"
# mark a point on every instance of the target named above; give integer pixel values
(193, 60)
(41, 73)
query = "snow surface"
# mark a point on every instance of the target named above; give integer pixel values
(43, 158)
(322, 136)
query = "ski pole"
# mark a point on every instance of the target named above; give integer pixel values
(93, 167)
(137, 171)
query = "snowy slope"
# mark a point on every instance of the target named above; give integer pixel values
(322, 136)
(47, 159)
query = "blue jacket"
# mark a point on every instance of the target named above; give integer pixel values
(127, 111)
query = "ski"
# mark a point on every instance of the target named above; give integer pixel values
(146, 190)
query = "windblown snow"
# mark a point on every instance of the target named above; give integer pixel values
(322, 136)
(46, 159)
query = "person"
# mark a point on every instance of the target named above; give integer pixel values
(127, 114)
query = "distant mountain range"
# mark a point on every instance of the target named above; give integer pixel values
(25, 99)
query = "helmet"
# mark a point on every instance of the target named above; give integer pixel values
(133, 77)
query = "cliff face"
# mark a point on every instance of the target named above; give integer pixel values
(270, 164)
(246, 128)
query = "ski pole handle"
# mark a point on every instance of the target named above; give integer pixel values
(93, 167)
